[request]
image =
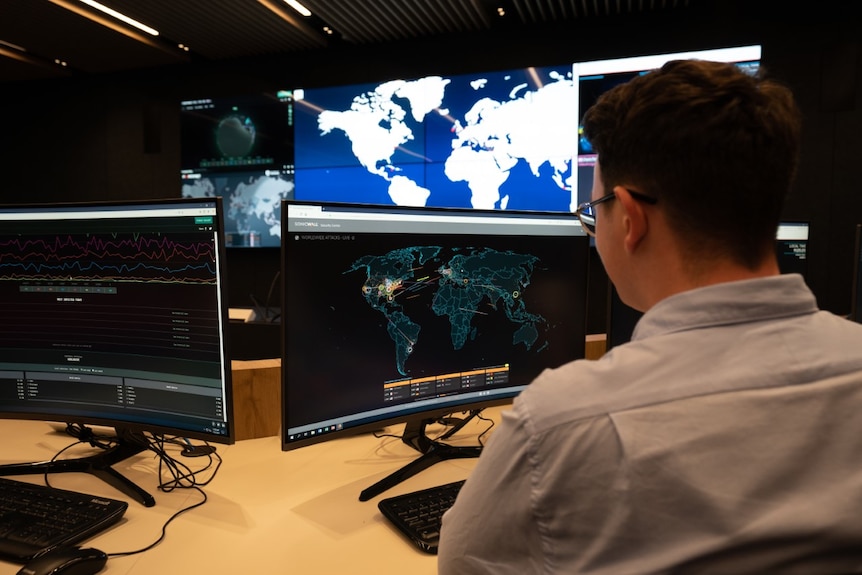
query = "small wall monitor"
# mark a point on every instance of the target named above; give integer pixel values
(240, 148)
(791, 247)
(114, 315)
(403, 315)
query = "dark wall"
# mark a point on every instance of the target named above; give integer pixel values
(118, 136)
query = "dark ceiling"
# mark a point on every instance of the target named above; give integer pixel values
(55, 38)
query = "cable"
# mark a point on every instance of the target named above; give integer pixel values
(264, 310)
(487, 429)
(164, 527)
(173, 473)
(87, 435)
(450, 421)
(181, 475)
(275, 316)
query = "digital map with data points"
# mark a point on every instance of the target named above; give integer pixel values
(458, 284)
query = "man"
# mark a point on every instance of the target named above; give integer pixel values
(726, 437)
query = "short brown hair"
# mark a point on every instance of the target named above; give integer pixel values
(718, 146)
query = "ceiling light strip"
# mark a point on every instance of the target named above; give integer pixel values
(117, 27)
(11, 45)
(121, 17)
(298, 7)
(301, 26)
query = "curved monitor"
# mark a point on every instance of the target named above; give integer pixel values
(398, 315)
(114, 314)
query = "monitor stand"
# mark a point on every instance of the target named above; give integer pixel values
(433, 451)
(99, 464)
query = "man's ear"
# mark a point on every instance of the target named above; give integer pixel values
(635, 219)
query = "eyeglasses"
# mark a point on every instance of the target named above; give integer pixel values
(586, 212)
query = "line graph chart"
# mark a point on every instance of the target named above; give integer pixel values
(130, 257)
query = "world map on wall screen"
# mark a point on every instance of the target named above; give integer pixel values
(502, 140)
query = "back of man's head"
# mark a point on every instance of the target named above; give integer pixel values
(718, 147)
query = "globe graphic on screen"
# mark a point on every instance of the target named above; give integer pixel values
(235, 136)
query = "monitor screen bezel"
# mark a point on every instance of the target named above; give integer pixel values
(421, 413)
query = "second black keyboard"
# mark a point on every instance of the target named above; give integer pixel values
(418, 514)
(36, 518)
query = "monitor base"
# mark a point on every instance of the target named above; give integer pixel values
(433, 451)
(98, 465)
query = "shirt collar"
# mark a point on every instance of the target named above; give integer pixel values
(728, 303)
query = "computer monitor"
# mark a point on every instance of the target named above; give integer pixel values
(240, 148)
(404, 315)
(791, 250)
(114, 315)
(856, 294)
(491, 139)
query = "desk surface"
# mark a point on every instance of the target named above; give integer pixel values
(267, 510)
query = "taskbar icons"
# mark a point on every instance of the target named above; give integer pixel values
(315, 432)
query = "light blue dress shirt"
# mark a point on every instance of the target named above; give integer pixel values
(726, 437)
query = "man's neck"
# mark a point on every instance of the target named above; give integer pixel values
(704, 274)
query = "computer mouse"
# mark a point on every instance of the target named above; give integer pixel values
(66, 561)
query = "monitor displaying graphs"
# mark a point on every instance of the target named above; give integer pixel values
(115, 312)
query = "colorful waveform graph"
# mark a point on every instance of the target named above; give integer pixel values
(159, 258)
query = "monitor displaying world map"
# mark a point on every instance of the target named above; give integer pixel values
(399, 311)
(491, 140)
(503, 140)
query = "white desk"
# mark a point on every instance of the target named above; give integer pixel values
(268, 510)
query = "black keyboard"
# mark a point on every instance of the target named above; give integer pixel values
(418, 514)
(36, 518)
